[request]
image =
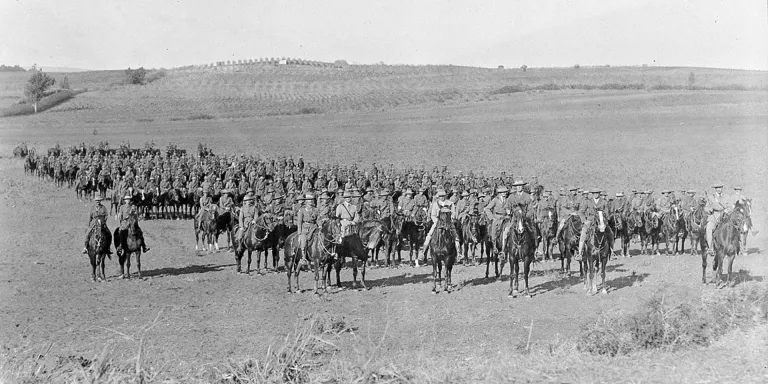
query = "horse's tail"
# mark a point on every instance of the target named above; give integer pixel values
(116, 237)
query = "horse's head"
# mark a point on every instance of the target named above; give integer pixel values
(518, 221)
(618, 220)
(600, 220)
(332, 230)
(740, 216)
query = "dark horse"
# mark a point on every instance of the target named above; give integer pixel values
(128, 242)
(225, 223)
(673, 227)
(252, 238)
(621, 226)
(98, 249)
(375, 234)
(205, 227)
(443, 249)
(415, 232)
(726, 239)
(520, 244)
(650, 233)
(548, 230)
(321, 248)
(569, 242)
(292, 259)
(279, 229)
(597, 251)
(696, 225)
(470, 236)
(351, 247)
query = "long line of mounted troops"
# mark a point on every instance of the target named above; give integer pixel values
(172, 183)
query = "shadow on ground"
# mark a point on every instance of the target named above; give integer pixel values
(191, 269)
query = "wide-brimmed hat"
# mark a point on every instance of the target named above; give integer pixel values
(384, 192)
(324, 196)
(717, 185)
(619, 194)
(464, 194)
(440, 193)
(409, 191)
(691, 191)
(247, 198)
(737, 188)
(308, 196)
(519, 183)
(127, 197)
(98, 197)
(369, 189)
(502, 189)
(573, 188)
(594, 190)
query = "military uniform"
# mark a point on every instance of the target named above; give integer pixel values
(126, 212)
(434, 213)
(495, 211)
(307, 222)
(347, 212)
(249, 213)
(97, 214)
(716, 204)
(591, 212)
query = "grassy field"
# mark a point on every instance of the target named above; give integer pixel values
(193, 319)
(258, 91)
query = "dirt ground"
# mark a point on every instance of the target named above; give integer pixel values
(208, 314)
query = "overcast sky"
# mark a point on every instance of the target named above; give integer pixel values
(98, 34)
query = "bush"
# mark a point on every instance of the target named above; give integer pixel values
(44, 103)
(153, 76)
(135, 76)
(509, 89)
(8, 68)
(64, 83)
(201, 116)
(659, 325)
(309, 110)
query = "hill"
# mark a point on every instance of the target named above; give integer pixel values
(244, 91)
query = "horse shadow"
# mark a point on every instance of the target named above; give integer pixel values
(754, 250)
(393, 281)
(743, 276)
(191, 269)
(625, 281)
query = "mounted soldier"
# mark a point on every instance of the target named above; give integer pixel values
(589, 214)
(127, 211)
(97, 215)
(442, 205)
(347, 212)
(307, 221)
(496, 212)
(249, 213)
(717, 205)
(568, 206)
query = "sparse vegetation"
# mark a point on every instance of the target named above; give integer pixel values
(37, 84)
(135, 76)
(8, 68)
(661, 325)
(43, 104)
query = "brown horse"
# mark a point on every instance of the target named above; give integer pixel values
(415, 232)
(205, 227)
(293, 254)
(443, 249)
(252, 238)
(696, 225)
(519, 244)
(98, 249)
(621, 228)
(726, 239)
(548, 230)
(650, 234)
(673, 228)
(569, 242)
(321, 249)
(470, 236)
(127, 243)
(375, 234)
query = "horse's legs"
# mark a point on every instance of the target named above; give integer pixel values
(448, 269)
(730, 269)
(138, 263)
(487, 266)
(93, 258)
(316, 264)
(239, 257)
(103, 275)
(526, 273)
(435, 275)
(512, 276)
(603, 264)
(121, 258)
(127, 264)
(248, 265)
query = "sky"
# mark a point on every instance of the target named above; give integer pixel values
(97, 34)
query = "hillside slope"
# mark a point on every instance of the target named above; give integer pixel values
(266, 90)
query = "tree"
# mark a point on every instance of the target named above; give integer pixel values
(65, 83)
(36, 86)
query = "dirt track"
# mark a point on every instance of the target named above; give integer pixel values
(209, 314)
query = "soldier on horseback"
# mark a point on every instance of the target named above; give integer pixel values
(127, 211)
(717, 205)
(98, 214)
(589, 213)
(442, 205)
(206, 204)
(384, 205)
(307, 221)
(496, 212)
(347, 212)
(567, 207)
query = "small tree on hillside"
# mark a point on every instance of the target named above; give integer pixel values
(65, 83)
(36, 86)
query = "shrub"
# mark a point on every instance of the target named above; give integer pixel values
(135, 76)
(576, 66)
(659, 325)
(201, 116)
(153, 76)
(509, 89)
(8, 68)
(65, 83)
(309, 110)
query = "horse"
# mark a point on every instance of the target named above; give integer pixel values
(726, 239)
(568, 242)
(443, 248)
(103, 183)
(393, 227)
(172, 199)
(747, 206)
(621, 228)
(650, 233)
(30, 165)
(673, 226)
(375, 234)
(278, 232)
(696, 226)
(547, 230)
(252, 238)
(205, 226)
(127, 243)
(293, 254)
(321, 248)
(470, 236)
(634, 221)
(519, 244)
(495, 244)
(85, 188)
(597, 251)
(225, 222)
(415, 232)
(351, 246)
(98, 248)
